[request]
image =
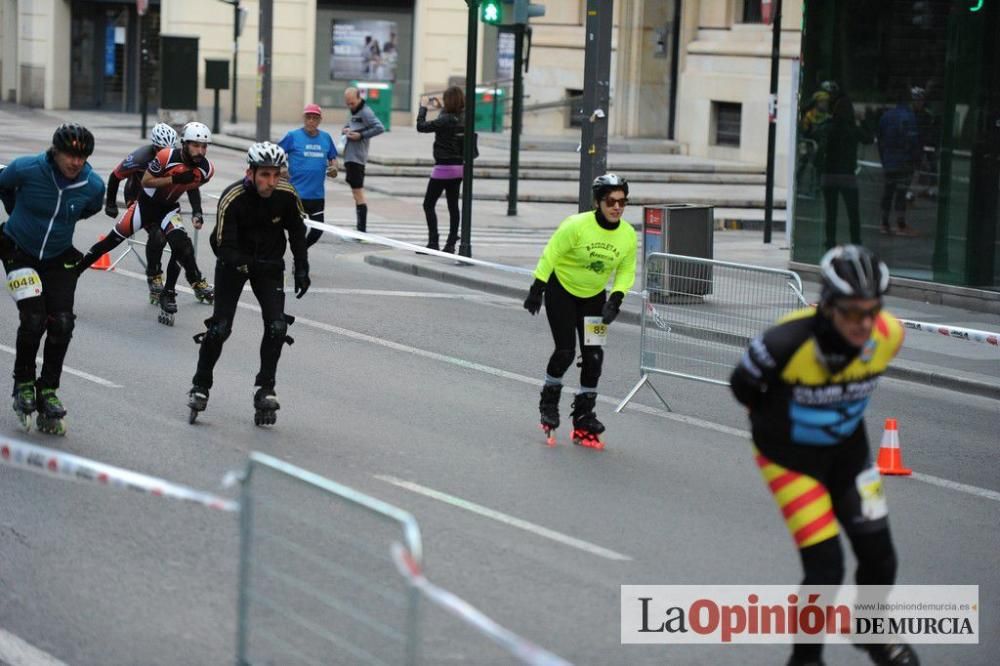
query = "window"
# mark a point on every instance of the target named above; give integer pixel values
(728, 118)
(574, 97)
(751, 12)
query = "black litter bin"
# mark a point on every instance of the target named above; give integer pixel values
(678, 229)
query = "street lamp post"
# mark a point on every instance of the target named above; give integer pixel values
(237, 29)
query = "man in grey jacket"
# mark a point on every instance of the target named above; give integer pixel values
(361, 126)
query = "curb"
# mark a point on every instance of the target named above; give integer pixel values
(898, 370)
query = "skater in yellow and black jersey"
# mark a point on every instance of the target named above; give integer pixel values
(806, 383)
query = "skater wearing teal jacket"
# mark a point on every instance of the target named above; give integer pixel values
(47, 195)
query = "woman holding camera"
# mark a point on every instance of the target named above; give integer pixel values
(449, 145)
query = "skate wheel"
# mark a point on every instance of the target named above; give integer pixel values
(57, 427)
(25, 420)
(262, 417)
(588, 440)
(154, 299)
(193, 416)
(550, 439)
(165, 318)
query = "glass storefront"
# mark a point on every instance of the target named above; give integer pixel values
(898, 141)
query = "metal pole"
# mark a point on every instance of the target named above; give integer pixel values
(236, 52)
(143, 83)
(264, 70)
(772, 118)
(215, 114)
(596, 95)
(517, 113)
(472, 43)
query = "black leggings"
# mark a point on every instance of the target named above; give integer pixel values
(565, 313)
(314, 209)
(830, 196)
(50, 314)
(267, 282)
(451, 187)
(154, 253)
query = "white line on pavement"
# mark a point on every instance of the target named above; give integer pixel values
(72, 371)
(954, 485)
(634, 406)
(17, 652)
(401, 294)
(559, 537)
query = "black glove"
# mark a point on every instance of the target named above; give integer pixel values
(533, 303)
(302, 283)
(185, 178)
(111, 209)
(197, 220)
(612, 307)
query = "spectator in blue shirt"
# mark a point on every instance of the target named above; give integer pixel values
(311, 158)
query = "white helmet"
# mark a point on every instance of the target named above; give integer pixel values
(198, 132)
(163, 135)
(266, 154)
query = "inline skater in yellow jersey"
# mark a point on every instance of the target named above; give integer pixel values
(571, 275)
(807, 382)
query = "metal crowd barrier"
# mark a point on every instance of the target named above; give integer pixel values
(699, 315)
(318, 584)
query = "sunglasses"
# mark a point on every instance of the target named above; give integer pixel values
(857, 315)
(613, 202)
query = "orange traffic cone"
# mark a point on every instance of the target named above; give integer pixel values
(104, 262)
(890, 456)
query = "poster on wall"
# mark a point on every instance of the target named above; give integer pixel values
(363, 50)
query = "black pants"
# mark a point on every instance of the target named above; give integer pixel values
(267, 282)
(314, 209)
(452, 188)
(565, 313)
(51, 313)
(830, 198)
(154, 253)
(897, 182)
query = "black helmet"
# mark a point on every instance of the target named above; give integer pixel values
(608, 183)
(851, 271)
(73, 139)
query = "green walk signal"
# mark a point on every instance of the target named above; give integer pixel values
(491, 12)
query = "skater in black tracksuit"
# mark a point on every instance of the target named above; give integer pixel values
(252, 221)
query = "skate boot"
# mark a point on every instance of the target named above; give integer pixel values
(168, 307)
(51, 413)
(197, 401)
(586, 428)
(891, 654)
(548, 410)
(155, 283)
(24, 403)
(265, 404)
(203, 291)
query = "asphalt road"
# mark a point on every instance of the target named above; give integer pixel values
(405, 390)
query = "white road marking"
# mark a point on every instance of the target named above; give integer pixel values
(72, 371)
(401, 294)
(478, 509)
(17, 652)
(634, 406)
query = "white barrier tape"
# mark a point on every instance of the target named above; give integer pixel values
(526, 651)
(65, 465)
(954, 332)
(403, 245)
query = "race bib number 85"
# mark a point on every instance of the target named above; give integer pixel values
(24, 283)
(595, 331)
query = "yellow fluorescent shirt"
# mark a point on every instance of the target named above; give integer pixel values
(583, 255)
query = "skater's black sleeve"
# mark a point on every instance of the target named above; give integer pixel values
(194, 198)
(292, 219)
(112, 192)
(225, 237)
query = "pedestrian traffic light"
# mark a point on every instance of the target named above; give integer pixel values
(524, 10)
(491, 12)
